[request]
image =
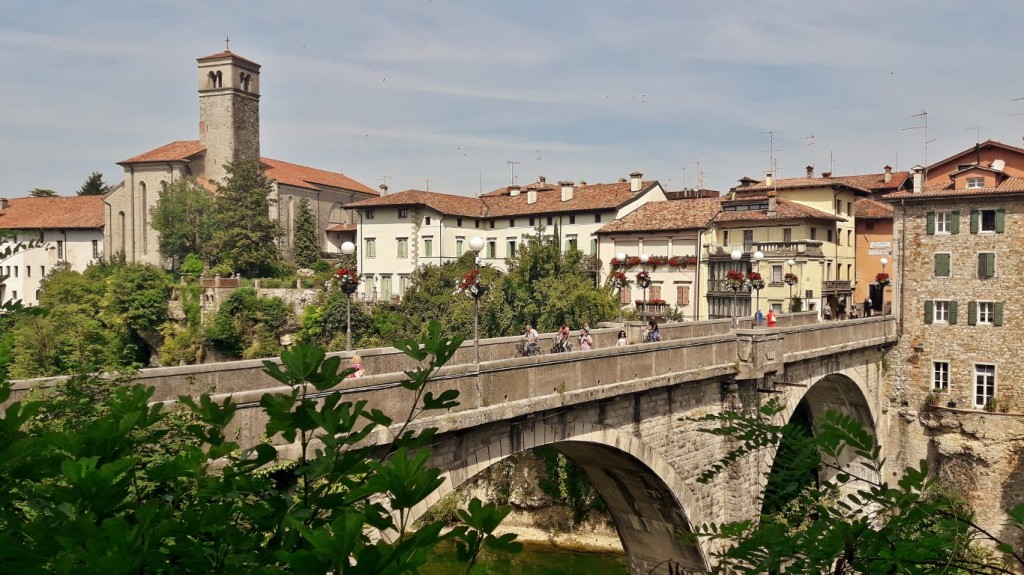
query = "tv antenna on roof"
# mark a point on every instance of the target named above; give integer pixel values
(924, 115)
(977, 134)
(700, 174)
(771, 150)
(427, 180)
(512, 164)
(810, 142)
(540, 165)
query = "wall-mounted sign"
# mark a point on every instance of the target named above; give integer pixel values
(880, 245)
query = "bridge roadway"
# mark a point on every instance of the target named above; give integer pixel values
(618, 412)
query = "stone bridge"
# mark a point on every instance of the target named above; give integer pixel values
(620, 413)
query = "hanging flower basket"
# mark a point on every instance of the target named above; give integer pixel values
(734, 280)
(643, 280)
(790, 279)
(882, 279)
(756, 281)
(470, 284)
(620, 280)
(347, 280)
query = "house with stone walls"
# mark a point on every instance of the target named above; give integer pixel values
(229, 131)
(958, 245)
(69, 230)
(399, 232)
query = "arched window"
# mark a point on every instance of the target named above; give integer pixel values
(145, 217)
(245, 78)
(121, 226)
(337, 215)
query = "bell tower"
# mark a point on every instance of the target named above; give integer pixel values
(229, 111)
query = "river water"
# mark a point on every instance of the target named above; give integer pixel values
(535, 559)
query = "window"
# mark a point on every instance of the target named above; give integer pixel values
(940, 312)
(570, 243)
(975, 183)
(385, 287)
(869, 225)
(371, 247)
(597, 218)
(986, 265)
(458, 245)
(403, 284)
(96, 249)
(985, 313)
(654, 292)
(593, 246)
(533, 222)
(984, 383)
(403, 247)
(572, 219)
(60, 249)
(942, 265)
(624, 296)
(511, 222)
(42, 271)
(725, 237)
(828, 235)
(476, 224)
(550, 221)
(814, 233)
(15, 271)
(776, 274)
(942, 222)
(492, 224)
(849, 208)
(28, 272)
(748, 238)
(427, 221)
(403, 213)
(849, 237)
(787, 234)
(458, 222)
(940, 376)
(682, 295)
(368, 215)
(492, 248)
(510, 250)
(839, 206)
(40, 236)
(988, 221)
(428, 247)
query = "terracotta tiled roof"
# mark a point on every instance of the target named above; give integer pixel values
(538, 185)
(447, 204)
(1007, 186)
(690, 214)
(796, 184)
(869, 209)
(590, 197)
(226, 54)
(173, 152)
(55, 212)
(342, 228)
(306, 177)
(875, 182)
(981, 146)
(785, 209)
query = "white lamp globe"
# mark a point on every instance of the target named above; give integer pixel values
(791, 262)
(884, 261)
(620, 256)
(758, 255)
(644, 258)
(737, 255)
(476, 244)
(348, 248)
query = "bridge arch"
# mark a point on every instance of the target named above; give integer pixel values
(648, 501)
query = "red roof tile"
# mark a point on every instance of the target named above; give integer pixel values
(1007, 186)
(973, 150)
(875, 182)
(785, 209)
(590, 197)
(447, 204)
(796, 184)
(55, 212)
(227, 54)
(689, 214)
(173, 152)
(306, 177)
(869, 209)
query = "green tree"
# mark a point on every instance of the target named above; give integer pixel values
(136, 298)
(248, 324)
(183, 217)
(41, 193)
(307, 240)
(94, 185)
(853, 522)
(99, 480)
(244, 235)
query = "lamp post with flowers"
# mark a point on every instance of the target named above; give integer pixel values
(643, 281)
(734, 281)
(882, 280)
(620, 281)
(756, 281)
(348, 281)
(791, 280)
(471, 284)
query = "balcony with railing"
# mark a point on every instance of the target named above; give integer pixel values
(798, 248)
(651, 308)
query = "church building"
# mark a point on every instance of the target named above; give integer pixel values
(229, 131)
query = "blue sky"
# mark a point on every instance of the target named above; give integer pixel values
(450, 91)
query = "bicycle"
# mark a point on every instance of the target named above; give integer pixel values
(524, 350)
(561, 346)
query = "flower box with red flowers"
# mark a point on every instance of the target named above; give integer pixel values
(882, 279)
(756, 281)
(620, 280)
(790, 279)
(734, 280)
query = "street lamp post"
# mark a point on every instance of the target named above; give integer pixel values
(790, 262)
(644, 258)
(621, 258)
(348, 248)
(758, 256)
(881, 307)
(476, 244)
(736, 256)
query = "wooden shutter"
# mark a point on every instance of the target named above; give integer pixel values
(974, 221)
(997, 313)
(654, 292)
(682, 295)
(624, 297)
(1000, 220)
(954, 222)
(942, 265)
(988, 260)
(930, 223)
(952, 313)
(972, 313)
(928, 311)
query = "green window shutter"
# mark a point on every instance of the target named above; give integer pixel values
(930, 225)
(1000, 220)
(952, 313)
(986, 265)
(942, 265)
(974, 221)
(954, 222)
(928, 312)
(972, 313)
(997, 313)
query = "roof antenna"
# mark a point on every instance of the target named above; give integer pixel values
(811, 144)
(512, 164)
(540, 165)
(427, 180)
(924, 115)
(700, 174)
(771, 150)
(977, 134)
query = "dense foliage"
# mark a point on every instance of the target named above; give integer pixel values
(94, 185)
(248, 325)
(98, 480)
(243, 234)
(306, 249)
(183, 217)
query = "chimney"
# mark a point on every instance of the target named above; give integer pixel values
(768, 180)
(583, 182)
(513, 191)
(4, 203)
(383, 189)
(634, 181)
(888, 174)
(543, 179)
(531, 196)
(567, 189)
(773, 202)
(826, 175)
(810, 171)
(918, 178)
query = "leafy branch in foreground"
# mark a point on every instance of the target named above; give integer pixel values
(133, 487)
(847, 519)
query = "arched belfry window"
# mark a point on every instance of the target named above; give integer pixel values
(216, 79)
(245, 78)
